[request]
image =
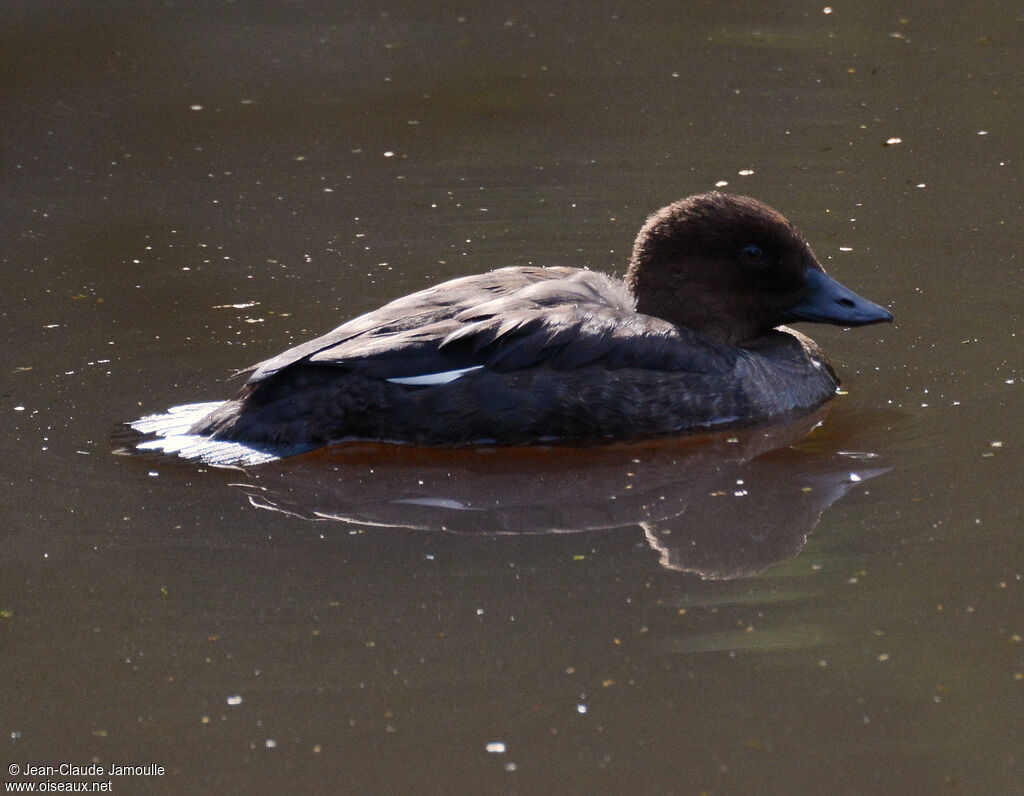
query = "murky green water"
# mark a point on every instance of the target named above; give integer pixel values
(188, 188)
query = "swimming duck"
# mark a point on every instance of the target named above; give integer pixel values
(690, 339)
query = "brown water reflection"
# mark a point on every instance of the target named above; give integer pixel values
(722, 505)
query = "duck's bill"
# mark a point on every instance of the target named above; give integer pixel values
(827, 301)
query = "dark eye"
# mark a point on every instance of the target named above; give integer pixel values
(753, 257)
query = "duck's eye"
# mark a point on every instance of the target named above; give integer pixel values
(753, 257)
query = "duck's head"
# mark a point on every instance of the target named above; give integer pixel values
(733, 268)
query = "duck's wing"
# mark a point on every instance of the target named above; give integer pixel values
(404, 317)
(565, 319)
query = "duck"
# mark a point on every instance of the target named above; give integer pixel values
(692, 338)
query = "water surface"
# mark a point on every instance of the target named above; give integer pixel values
(189, 188)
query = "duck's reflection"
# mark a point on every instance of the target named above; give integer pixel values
(722, 505)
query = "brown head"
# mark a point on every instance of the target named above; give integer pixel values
(732, 268)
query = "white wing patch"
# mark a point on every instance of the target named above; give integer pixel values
(428, 379)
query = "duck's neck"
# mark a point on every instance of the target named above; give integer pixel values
(695, 298)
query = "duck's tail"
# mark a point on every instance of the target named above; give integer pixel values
(168, 433)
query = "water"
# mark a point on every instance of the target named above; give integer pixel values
(191, 188)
